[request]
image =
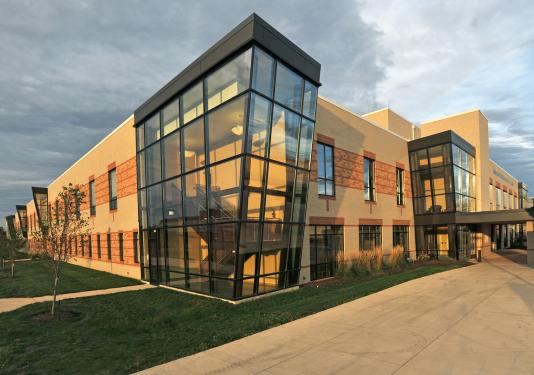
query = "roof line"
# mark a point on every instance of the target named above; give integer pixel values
(391, 110)
(454, 115)
(505, 171)
(364, 119)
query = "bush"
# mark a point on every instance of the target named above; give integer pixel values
(423, 258)
(371, 262)
(396, 259)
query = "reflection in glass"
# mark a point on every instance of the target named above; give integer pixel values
(197, 244)
(301, 192)
(154, 206)
(194, 154)
(140, 130)
(195, 197)
(259, 124)
(171, 149)
(262, 73)
(288, 90)
(171, 117)
(310, 99)
(175, 249)
(173, 202)
(153, 163)
(141, 169)
(225, 188)
(224, 246)
(419, 159)
(229, 80)
(306, 140)
(439, 155)
(152, 129)
(192, 101)
(284, 136)
(226, 127)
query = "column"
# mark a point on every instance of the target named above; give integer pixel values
(529, 228)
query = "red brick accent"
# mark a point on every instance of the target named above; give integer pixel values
(327, 197)
(400, 165)
(491, 181)
(91, 178)
(370, 221)
(323, 220)
(385, 178)
(497, 184)
(128, 247)
(369, 154)
(401, 222)
(127, 178)
(505, 189)
(102, 189)
(112, 166)
(325, 139)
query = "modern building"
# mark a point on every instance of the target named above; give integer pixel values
(236, 179)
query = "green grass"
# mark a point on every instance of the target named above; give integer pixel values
(34, 278)
(127, 332)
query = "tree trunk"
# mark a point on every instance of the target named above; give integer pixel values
(56, 279)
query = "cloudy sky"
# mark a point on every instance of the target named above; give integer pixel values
(71, 71)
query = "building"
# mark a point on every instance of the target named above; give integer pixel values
(236, 179)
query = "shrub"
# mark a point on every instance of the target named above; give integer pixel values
(423, 257)
(396, 259)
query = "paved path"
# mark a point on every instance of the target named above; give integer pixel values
(474, 320)
(10, 304)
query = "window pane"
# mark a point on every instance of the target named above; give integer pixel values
(422, 183)
(175, 249)
(226, 127)
(171, 117)
(140, 136)
(194, 154)
(456, 155)
(288, 89)
(301, 192)
(230, 80)
(153, 163)
(442, 180)
(113, 183)
(306, 139)
(284, 135)
(259, 121)
(171, 147)
(173, 202)
(262, 73)
(154, 206)
(143, 208)
(439, 155)
(254, 172)
(419, 159)
(225, 188)
(280, 178)
(192, 102)
(141, 167)
(224, 246)
(310, 99)
(197, 249)
(195, 197)
(320, 160)
(152, 129)
(279, 193)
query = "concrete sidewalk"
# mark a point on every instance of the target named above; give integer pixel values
(478, 319)
(10, 304)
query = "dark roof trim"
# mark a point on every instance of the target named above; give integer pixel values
(252, 29)
(35, 192)
(440, 138)
(482, 217)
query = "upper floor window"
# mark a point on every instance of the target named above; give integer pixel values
(369, 179)
(92, 197)
(112, 178)
(325, 169)
(400, 186)
(497, 198)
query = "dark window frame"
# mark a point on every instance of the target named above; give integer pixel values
(112, 198)
(322, 181)
(401, 236)
(121, 246)
(330, 236)
(108, 238)
(400, 187)
(98, 246)
(372, 233)
(136, 246)
(92, 204)
(369, 188)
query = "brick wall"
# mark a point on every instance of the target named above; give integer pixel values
(128, 247)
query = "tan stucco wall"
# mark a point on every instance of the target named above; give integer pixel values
(391, 120)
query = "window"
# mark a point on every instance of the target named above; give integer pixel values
(400, 237)
(108, 240)
(90, 245)
(76, 245)
(92, 197)
(83, 246)
(136, 246)
(497, 198)
(370, 237)
(326, 245)
(258, 126)
(193, 103)
(262, 74)
(284, 135)
(171, 117)
(98, 247)
(400, 186)
(325, 169)
(152, 129)
(369, 179)
(153, 164)
(112, 179)
(288, 90)
(310, 99)
(171, 151)
(121, 246)
(194, 153)
(57, 212)
(306, 140)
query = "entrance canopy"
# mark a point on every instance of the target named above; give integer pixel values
(483, 217)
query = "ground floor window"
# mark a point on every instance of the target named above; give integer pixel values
(370, 237)
(326, 244)
(400, 237)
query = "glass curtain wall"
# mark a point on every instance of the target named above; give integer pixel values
(326, 245)
(223, 180)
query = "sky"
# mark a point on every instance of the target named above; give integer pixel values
(71, 71)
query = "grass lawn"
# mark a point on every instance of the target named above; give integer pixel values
(34, 278)
(127, 332)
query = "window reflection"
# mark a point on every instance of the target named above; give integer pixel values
(194, 154)
(306, 140)
(175, 249)
(192, 102)
(284, 136)
(171, 146)
(171, 117)
(173, 202)
(153, 164)
(197, 241)
(152, 129)
(310, 99)
(230, 80)
(259, 123)
(288, 90)
(195, 197)
(154, 206)
(224, 243)
(262, 73)
(225, 188)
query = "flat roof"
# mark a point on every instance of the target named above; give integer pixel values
(481, 217)
(440, 138)
(252, 29)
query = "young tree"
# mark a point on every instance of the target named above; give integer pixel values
(8, 249)
(54, 238)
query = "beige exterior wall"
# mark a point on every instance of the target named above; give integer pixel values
(116, 151)
(390, 120)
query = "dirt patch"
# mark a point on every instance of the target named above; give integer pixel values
(62, 315)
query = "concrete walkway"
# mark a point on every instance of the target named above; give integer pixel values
(478, 319)
(10, 304)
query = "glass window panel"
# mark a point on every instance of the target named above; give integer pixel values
(224, 246)
(419, 159)
(423, 205)
(422, 183)
(456, 155)
(439, 155)
(251, 205)
(301, 192)
(226, 127)
(443, 203)
(472, 164)
(284, 135)
(229, 80)
(197, 249)
(275, 236)
(177, 280)
(143, 208)
(310, 100)
(442, 180)
(280, 178)
(194, 154)
(288, 90)
(295, 246)
(171, 149)
(140, 130)
(254, 172)
(249, 238)
(154, 206)
(199, 284)
(175, 249)
(113, 184)
(306, 140)
(259, 121)
(195, 197)
(152, 129)
(465, 159)
(472, 186)
(171, 117)
(225, 188)
(153, 163)
(270, 283)
(223, 288)
(141, 168)
(262, 72)
(192, 102)
(173, 202)
(277, 208)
